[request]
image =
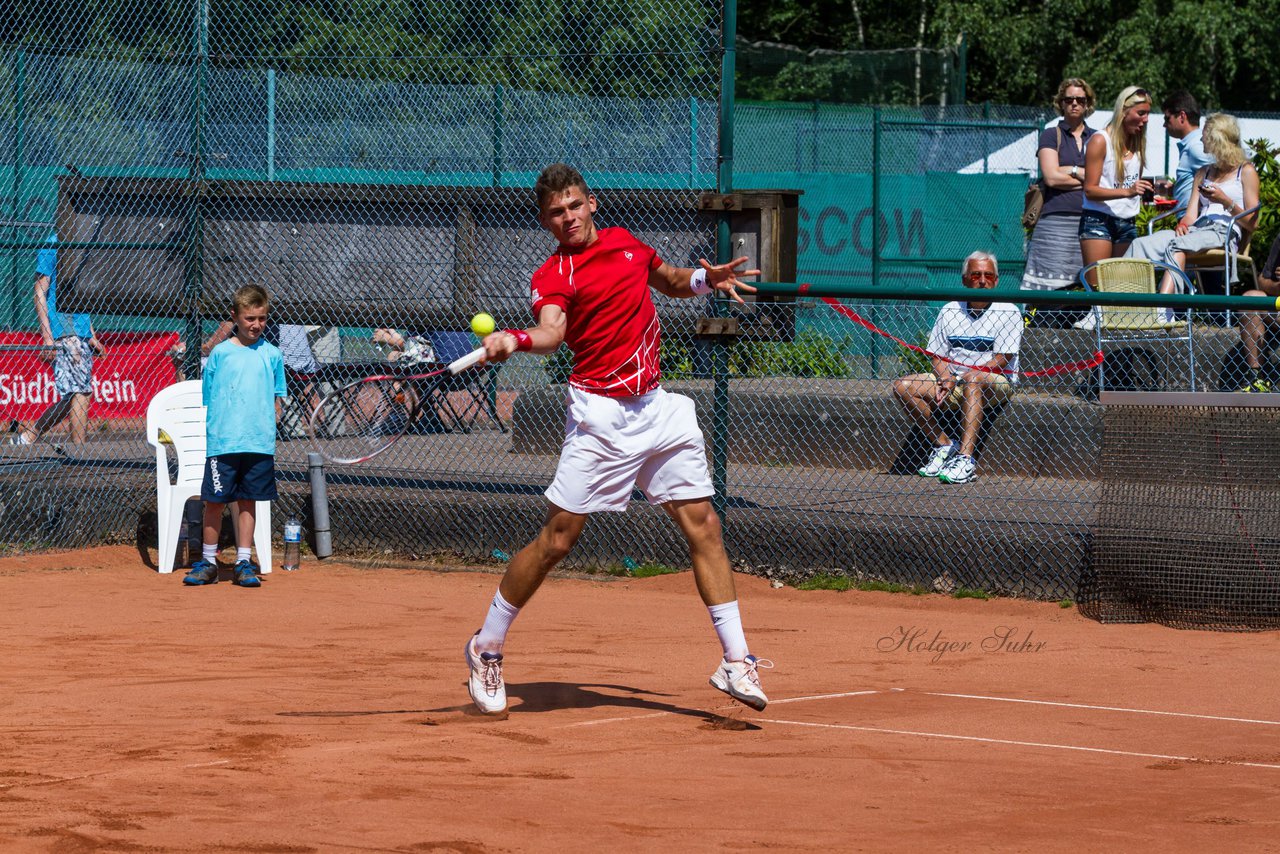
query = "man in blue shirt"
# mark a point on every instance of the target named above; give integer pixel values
(1182, 122)
(72, 344)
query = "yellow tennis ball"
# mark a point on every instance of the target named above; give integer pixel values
(482, 324)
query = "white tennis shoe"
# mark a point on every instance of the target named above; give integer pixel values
(741, 680)
(959, 470)
(485, 684)
(937, 460)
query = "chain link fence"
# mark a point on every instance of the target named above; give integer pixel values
(773, 71)
(371, 165)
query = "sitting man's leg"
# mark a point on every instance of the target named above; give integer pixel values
(919, 395)
(1253, 330)
(981, 388)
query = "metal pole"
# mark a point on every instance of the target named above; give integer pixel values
(986, 135)
(724, 252)
(194, 267)
(271, 124)
(875, 226)
(19, 108)
(319, 506)
(946, 293)
(497, 134)
(693, 141)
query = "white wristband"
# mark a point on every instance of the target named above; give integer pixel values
(698, 282)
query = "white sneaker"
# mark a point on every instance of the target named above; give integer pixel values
(1089, 322)
(959, 470)
(741, 680)
(485, 684)
(937, 461)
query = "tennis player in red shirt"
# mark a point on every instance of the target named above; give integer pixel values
(622, 429)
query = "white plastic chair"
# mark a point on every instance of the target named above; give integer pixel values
(179, 411)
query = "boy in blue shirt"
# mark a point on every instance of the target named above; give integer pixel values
(241, 380)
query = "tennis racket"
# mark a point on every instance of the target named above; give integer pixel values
(362, 419)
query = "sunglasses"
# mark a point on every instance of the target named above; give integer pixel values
(1074, 99)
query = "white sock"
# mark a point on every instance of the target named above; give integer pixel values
(243, 554)
(209, 552)
(728, 623)
(493, 634)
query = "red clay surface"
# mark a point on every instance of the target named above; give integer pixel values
(327, 712)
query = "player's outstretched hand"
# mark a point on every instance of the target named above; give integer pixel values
(724, 277)
(498, 346)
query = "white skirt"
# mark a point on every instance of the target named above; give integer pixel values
(1053, 254)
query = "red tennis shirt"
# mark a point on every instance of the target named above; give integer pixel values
(613, 328)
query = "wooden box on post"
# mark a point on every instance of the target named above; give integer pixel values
(763, 226)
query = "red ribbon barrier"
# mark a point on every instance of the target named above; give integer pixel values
(1053, 370)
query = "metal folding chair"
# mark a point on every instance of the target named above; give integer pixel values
(1144, 325)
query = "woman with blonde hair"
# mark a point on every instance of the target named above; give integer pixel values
(1053, 251)
(1113, 182)
(1222, 190)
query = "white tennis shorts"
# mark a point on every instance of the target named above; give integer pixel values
(612, 445)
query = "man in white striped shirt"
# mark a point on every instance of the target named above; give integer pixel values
(974, 349)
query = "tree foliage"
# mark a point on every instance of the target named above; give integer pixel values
(605, 48)
(1222, 51)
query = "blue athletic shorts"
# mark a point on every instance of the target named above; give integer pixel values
(1100, 226)
(239, 477)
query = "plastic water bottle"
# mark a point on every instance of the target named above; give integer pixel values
(292, 543)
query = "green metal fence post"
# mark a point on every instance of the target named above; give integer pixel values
(271, 124)
(19, 119)
(497, 134)
(194, 250)
(693, 142)
(813, 137)
(875, 229)
(986, 136)
(724, 239)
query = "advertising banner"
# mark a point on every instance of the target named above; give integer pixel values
(135, 367)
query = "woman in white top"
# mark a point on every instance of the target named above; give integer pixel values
(1113, 182)
(1220, 191)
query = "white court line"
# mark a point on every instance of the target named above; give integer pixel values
(821, 697)
(660, 714)
(616, 720)
(1097, 708)
(1017, 743)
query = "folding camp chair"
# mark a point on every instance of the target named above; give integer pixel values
(463, 397)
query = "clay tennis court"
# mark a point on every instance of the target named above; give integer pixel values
(327, 711)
